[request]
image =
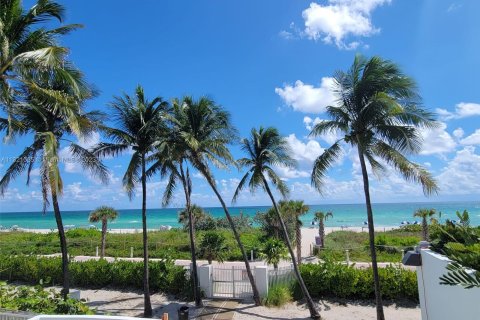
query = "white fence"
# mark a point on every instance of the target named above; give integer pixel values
(442, 302)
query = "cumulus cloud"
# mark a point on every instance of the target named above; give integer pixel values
(462, 174)
(329, 138)
(462, 110)
(472, 139)
(341, 19)
(437, 140)
(307, 98)
(304, 152)
(458, 133)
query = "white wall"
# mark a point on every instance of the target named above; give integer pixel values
(442, 302)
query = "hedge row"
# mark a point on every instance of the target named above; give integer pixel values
(164, 275)
(331, 279)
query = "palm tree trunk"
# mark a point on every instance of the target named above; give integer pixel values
(424, 229)
(371, 236)
(191, 230)
(298, 240)
(311, 306)
(147, 308)
(104, 235)
(256, 296)
(321, 231)
(63, 246)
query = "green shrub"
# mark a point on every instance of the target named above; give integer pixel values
(38, 300)
(278, 296)
(331, 279)
(164, 275)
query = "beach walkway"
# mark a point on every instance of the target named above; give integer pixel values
(217, 310)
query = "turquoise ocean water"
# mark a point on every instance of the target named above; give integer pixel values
(353, 215)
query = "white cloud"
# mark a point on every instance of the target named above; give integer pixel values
(437, 140)
(462, 174)
(462, 110)
(472, 139)
(458, 133)
(306, 97)
(304, 152)
(330, 137)
(341, 19)
(454, 7)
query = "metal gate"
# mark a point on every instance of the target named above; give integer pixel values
(231, 282)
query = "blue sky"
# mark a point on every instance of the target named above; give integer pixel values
(270, 63)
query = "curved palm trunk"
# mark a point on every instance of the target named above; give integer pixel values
(371, 236)
(104, 235)
(191, 230)
(147, 309)
(321, 233)
(256, 296)
(298, 240)
(311, 306)
(63, 247)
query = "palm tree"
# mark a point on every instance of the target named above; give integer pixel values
(51, 122)
(378, 113)
(206, 130)
(197, 215)
(170, 160)
(273, 251)
(28, 44)
(103, 214)
(212, 246)
(266, 148)
(425, 214)
(321, 217)
(139, 123)
(295, 209)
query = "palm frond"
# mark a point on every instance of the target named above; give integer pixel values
(89, 161)
(322, 163)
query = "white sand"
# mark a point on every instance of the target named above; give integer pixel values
(328, 310)
(131, 304)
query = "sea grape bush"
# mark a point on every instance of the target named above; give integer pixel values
(164, 275)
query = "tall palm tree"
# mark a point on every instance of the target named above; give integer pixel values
(28, 44)
(170, 160)
(206, 130)
(425, 214)
(266, 148)
(52, 122)
(295, 209)
(321, 217)
(139, 122)
(378, 113)
(103, 214)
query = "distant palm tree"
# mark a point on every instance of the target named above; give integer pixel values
(103, 214)
(378, 113)
(295, 208)
(206, 130)
(213, 247)
(51, 121)
(265, 148)
(464, 218)
(197, 212)
(321, 217)
(425, 214)
(139, 123)
(273, 251)
(29, 44)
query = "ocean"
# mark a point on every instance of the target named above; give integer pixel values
(353, 215)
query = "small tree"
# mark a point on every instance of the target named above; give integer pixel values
(425, 214)
(213, 247)
(273, 251)
(321, 217)
(103, 214)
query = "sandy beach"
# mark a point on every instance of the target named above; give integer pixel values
(130, 303)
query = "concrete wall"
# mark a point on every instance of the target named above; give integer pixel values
(442, 302)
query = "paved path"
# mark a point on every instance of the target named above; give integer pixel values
(217, 310)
